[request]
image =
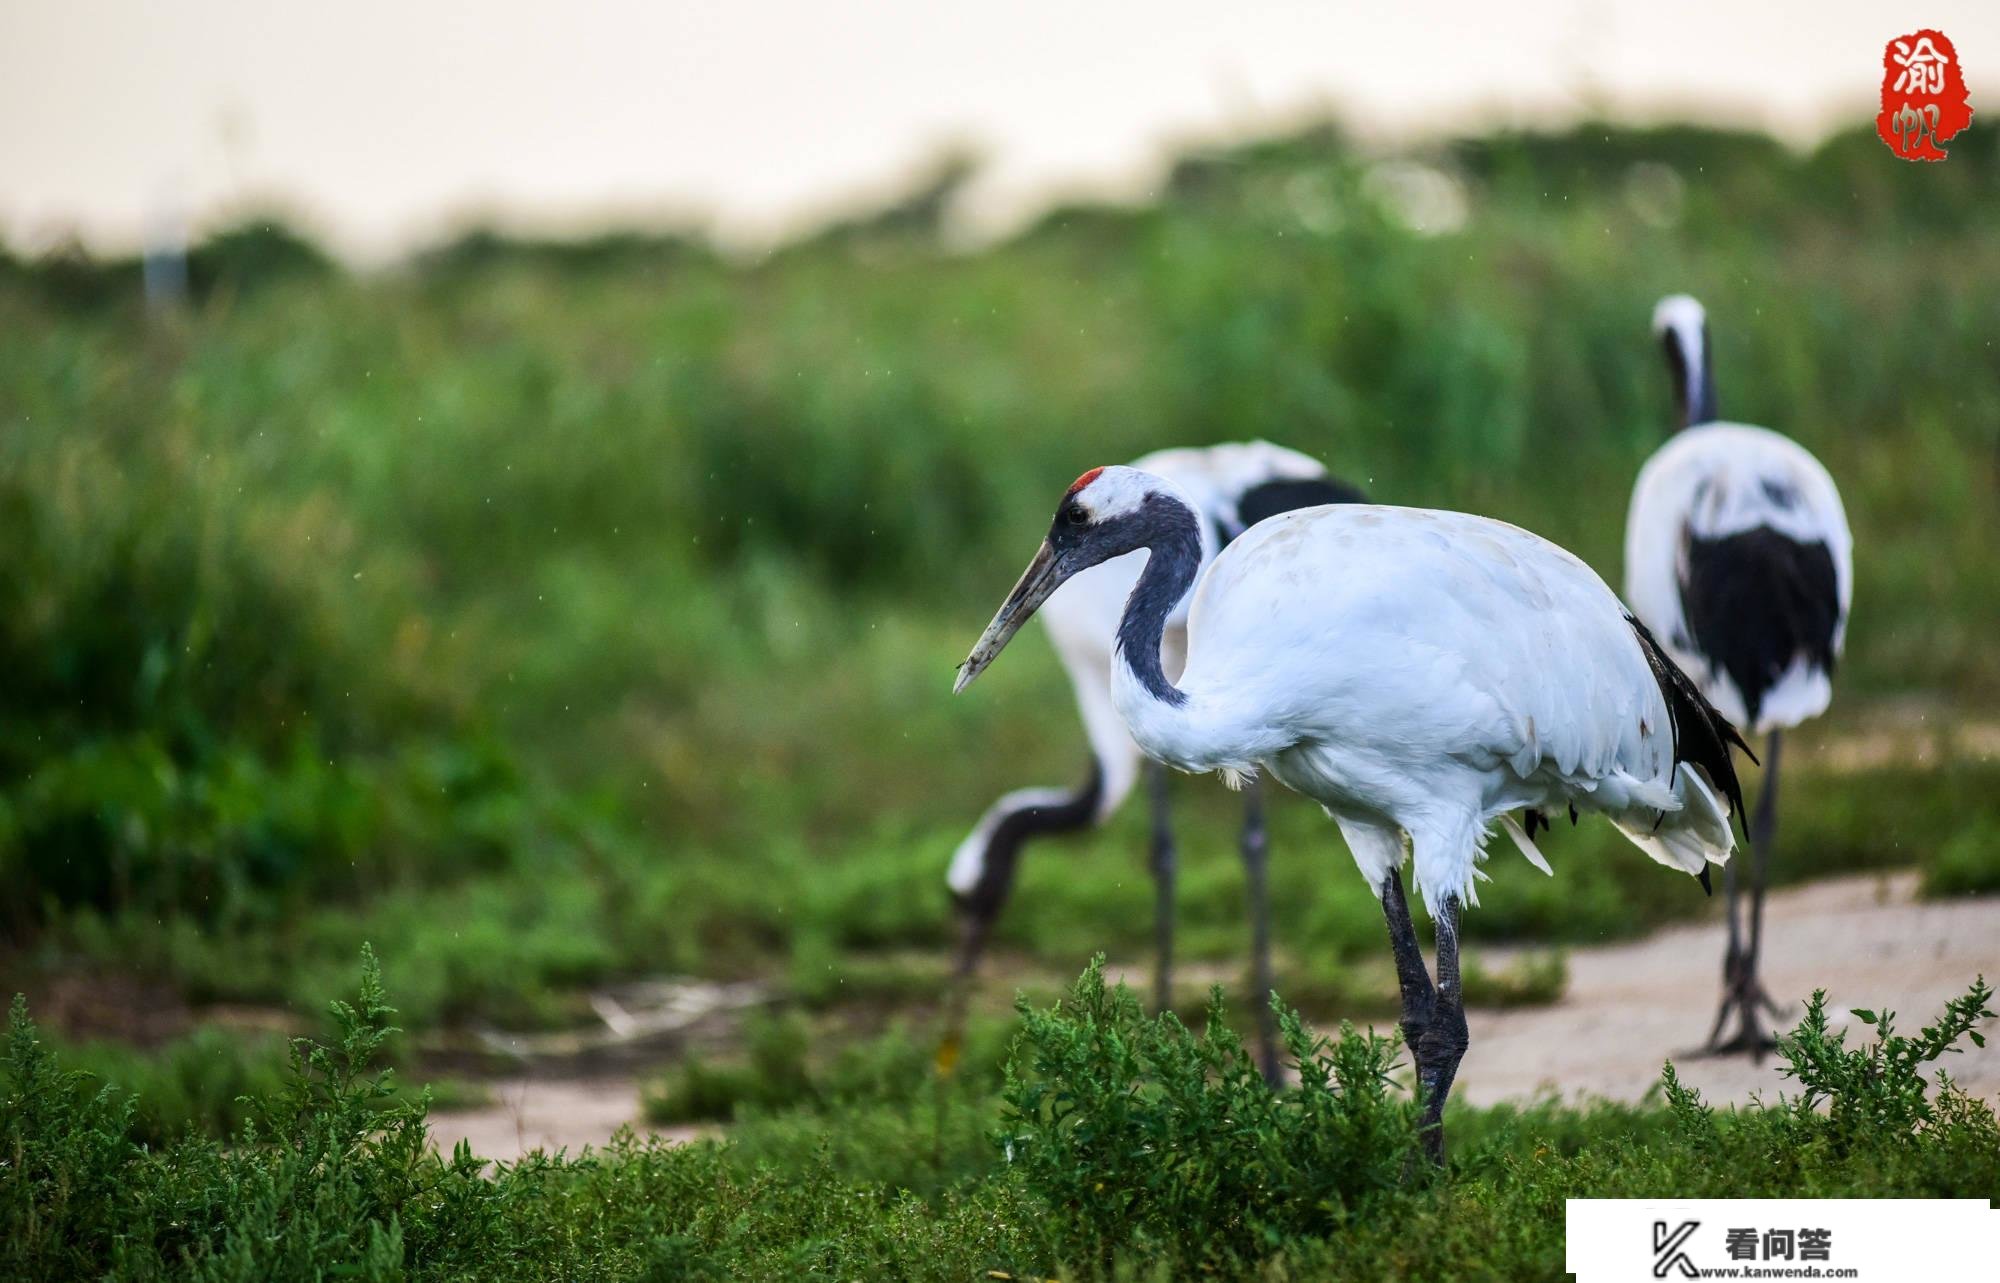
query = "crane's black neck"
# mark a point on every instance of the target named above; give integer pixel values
(1040, 818)
(1173, 532)
(1694, 376)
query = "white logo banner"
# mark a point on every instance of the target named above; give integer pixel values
(1888, 1240)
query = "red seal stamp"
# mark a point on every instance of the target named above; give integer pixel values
(1924, 102)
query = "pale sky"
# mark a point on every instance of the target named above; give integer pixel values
(387, 124)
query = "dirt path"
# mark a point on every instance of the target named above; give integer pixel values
(1867, 940)
(549, 1114)
(1629, 1007)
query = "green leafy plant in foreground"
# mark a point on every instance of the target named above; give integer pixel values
(1880, 1088)
(1142, 1134)
(1145, 1142)
(1122, 1146)
(335, 1177)
(319, 1177)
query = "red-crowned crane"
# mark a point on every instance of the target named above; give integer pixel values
(1235, 486)
(1738, 557)
(1415, 672)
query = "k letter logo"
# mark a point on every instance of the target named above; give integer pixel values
(1667, 1249)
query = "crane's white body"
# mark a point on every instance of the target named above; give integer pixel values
(1430, 673)
(1082, 622)
(1710, 482)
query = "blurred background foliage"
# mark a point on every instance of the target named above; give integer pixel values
(549, 611)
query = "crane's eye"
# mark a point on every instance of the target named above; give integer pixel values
(1074, 514)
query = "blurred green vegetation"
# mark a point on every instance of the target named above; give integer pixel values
(550, 612)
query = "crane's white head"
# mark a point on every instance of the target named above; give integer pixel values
(1105, 513)
(1680, 314)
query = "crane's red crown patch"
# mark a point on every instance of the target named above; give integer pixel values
(1924, 100)
(1082, 481)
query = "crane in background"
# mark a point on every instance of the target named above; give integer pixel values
(1739, 559)
(1235, 486)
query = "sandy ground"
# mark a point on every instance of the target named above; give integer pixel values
(549, 1114)
(1629, 1007)
(1867, 940)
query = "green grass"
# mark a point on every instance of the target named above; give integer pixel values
(869, 929)
(203, 1082)
(1969, 864)
(1111, 1143)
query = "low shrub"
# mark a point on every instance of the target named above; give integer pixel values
(1119, 1146)
(1142, 1137)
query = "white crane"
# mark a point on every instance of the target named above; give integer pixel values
(1415, 672)
(1738, 557)
(1235, 486)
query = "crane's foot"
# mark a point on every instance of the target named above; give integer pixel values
(1744, 1001)
(1749, 1040)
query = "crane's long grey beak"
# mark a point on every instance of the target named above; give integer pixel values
(1042, 577)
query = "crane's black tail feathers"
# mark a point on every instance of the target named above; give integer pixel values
(1702, 736)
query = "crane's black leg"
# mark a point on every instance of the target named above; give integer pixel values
(1763, 836)
(1419, 995)
(1732, 958)
(1256, 853)
(1743, 995)
(1163, 860)
(1444, 1040)
(973, 931)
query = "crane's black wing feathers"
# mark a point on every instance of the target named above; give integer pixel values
(1755, 601)
(1269, 498)
(1702, 736)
